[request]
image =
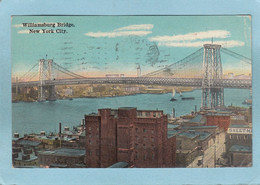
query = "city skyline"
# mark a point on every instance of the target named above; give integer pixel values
(154, 42)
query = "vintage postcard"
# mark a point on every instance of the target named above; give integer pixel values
(131, 91)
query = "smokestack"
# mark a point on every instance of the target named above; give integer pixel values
(60, 129)
(60, 133)
(173, 112)
(83, 122)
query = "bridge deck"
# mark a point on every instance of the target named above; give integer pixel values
(194, 82)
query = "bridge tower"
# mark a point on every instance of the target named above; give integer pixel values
(46, 73)
(212, 97)
(41, 89)
(51, 88)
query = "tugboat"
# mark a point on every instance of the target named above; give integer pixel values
(173, 93)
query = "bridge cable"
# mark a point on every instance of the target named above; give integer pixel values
(184, 60)
(236, 55)
(71, 73)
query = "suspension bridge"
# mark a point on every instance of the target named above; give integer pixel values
(203, 69)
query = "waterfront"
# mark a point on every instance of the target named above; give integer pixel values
(31, 117)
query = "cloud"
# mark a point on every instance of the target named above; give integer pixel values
(226, 44)
(131, 30)
(136, 27)
(117, 34)
(192, 36)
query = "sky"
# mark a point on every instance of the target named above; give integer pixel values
(99, 45)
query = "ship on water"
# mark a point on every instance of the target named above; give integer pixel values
(173, 94)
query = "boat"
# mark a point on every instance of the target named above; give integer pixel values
(247, 102)
(188, 98)
(173, 93)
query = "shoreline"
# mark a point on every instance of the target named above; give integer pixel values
(93, 97)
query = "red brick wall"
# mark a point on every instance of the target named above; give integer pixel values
(142, 142)
(221, 121)
(108, 138)
(125, 141)
(170, 152)
(92, 141)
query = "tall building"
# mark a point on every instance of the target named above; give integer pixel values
(138, 137)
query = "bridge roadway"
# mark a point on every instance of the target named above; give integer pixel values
(194, 82)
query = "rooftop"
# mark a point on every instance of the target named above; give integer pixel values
(190, 135)
(119, 165)
(239, 126)
(198, 119)
(199, 127)
(28, 143)
(171, 133)
(65, 152)
(204, 135)
(171, 126)
(240, 148)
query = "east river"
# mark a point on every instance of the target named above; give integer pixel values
(33, 117)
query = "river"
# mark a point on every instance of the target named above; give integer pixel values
(29, 117)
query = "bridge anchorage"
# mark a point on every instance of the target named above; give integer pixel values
(46, 72)
(212, 96)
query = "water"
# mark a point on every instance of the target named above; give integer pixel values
(31, 117)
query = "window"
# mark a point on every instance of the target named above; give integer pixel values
(154, 114)
(152, 131)
(145, 156)
(230, 136)
(136, 130)
(97, 152)
(144, 130)
(152, 139)
(136, 145)
(153, 157)
(145, 139)
(144, 146)
(136, 155)
(90, 142)
(89, 128)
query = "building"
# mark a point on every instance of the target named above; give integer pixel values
(220, 119)
(138, 137)
(240, 156)
(62, 158)
(239, 145)
(25, 153)
(187, 148)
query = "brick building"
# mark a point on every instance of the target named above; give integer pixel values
(129, 135)
(220, 119)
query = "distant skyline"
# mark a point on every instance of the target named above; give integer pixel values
(99, 45)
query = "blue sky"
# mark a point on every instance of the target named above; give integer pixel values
(98, 45)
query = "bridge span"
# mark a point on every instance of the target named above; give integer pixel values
(193, 82)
